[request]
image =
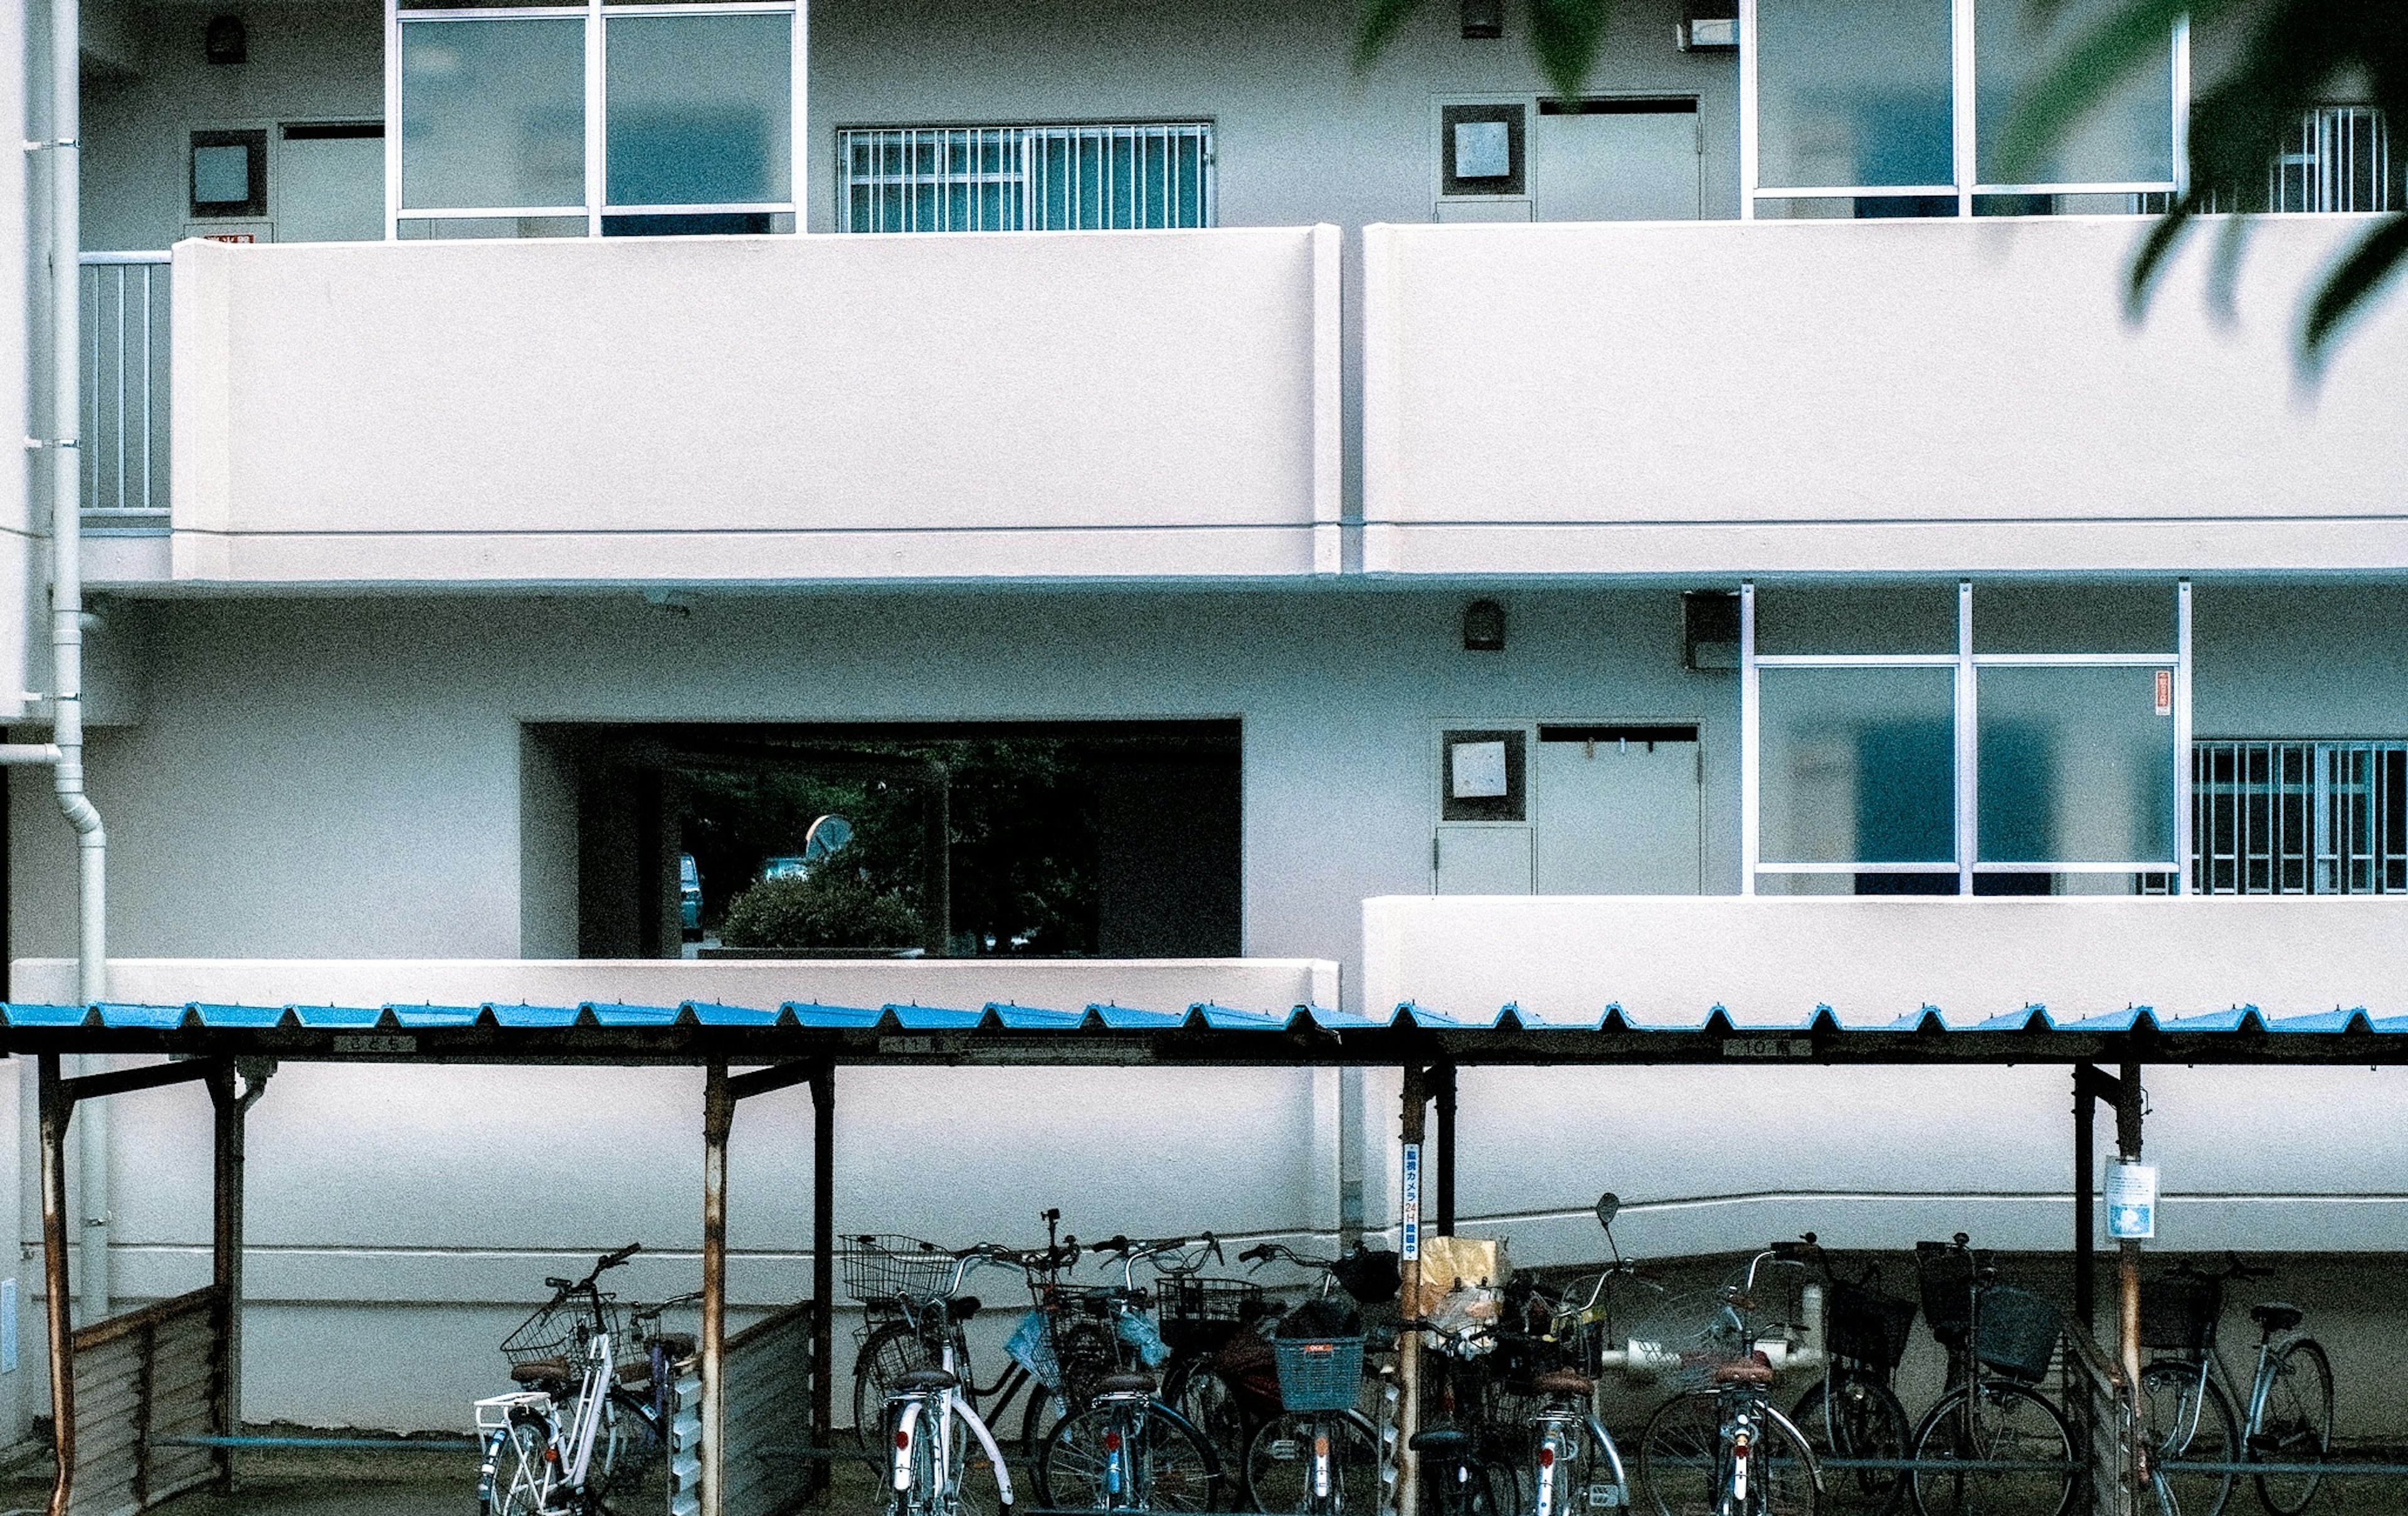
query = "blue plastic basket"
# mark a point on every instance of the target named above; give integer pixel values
(1319, 1373)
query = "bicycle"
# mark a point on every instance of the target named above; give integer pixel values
(1119, 1446)
(2189, 1399)
(1850, 1414)
(1723, 1449)
(927, 1415)
(880, 1268)
(553, 1447)
(2013, 1447)
(1312, 1451)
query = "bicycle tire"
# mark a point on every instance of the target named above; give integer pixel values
(2308, 1441)
(520, 1477)
(1678, 1455)
(1864, 1420)
(2011, 1423)
(1176, 1468)
(1197, 1392)
(2189, 1419)
(1277, 1466)
(889, 1352)
(1786, 1481)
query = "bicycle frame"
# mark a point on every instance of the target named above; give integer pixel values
(944, 1406)
(1560, 1428)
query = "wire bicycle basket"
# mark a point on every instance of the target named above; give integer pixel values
(1319, 1374)
(1686, 1337)
(556, 1336)
(881, 1269)
(2179, 1312)
(1198, 1315)
(1867, 1327)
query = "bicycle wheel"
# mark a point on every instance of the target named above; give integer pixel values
(1202, 1395)
(519, 1472)
(1783, 1478)
(1851, 1415)
(2021, 1442)
(1280, 1463)
(888, 1354)
(2190, 1421)
(1680, 1458)
(1164, 1464)
(2296, 1426)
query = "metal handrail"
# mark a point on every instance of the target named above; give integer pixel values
(125, 389)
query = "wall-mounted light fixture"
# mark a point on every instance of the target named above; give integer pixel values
(224, 41)
(1484, 18)
(1484, 626)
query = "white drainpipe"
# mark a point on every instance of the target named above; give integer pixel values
(63, 753)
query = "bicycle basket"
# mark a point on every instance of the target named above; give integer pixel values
(1199, 1314)
(1946, 1276)
(882, 1268)
(1319, 1373)
(558, 1334)
(2179, 1312)
(1869, 1327)
(2018, 1332)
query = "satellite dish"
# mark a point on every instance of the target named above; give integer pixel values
(827, 835)
(1608, 1206)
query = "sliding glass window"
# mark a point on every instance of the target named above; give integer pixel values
(593, 120)
(1898, 107)
(1992, 769)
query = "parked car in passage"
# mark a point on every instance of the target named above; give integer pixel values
(689, 898)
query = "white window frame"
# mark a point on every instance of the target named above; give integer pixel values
(1963, 105)
(597, 14)
(1967, 665)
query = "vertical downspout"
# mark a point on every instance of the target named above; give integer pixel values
(67, 614)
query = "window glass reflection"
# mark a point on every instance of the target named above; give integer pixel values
(493, 113)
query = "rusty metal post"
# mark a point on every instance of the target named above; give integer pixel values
(226, 1399)
(2127, 1276)
(2085, 1223)
(56, 1108)
(1409, 1347)
(718, 1116)
(824, 1261)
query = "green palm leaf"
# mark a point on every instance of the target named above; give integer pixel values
(1565, 35)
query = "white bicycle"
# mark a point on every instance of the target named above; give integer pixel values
(931, 1424)
(550, 1447)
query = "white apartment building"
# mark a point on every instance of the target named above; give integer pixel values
(1393, 480)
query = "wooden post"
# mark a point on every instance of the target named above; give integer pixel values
(55, 1111)
(226, 1399)
(1408, 1349)
(718, 1117)
(2127, 1276)
(824, 1263)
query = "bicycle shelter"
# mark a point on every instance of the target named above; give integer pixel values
(131, 1392)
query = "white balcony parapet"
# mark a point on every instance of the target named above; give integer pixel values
(1672, 960)
(1097, 405)
(1855, 397)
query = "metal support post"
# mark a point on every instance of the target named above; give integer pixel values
(936, 861)
(718, 1117)
(1442, 1083)
(823, 1260)
(226, 1399)
(1409, 1347)
(2085, 1200)
(56, 1108)
(2127, 1277)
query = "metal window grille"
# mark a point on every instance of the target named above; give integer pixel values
(1012, 178)
(2299, 817)
(126, 352)
(2342, 162)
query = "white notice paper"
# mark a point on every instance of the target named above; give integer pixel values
(1479, 770)
(2131, 1201)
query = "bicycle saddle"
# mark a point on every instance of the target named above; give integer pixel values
(676, 1344)
(541, 1371)
(1746, 1371)
(1443, 1442)
(1563, 1381)
(965, 1306)
(2277, 1316)
(1125, 1384)
(927, 1378)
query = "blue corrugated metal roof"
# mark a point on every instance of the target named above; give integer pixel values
(117, 1015)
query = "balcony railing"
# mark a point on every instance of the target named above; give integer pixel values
(125, 390)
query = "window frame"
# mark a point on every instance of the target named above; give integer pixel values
(597, 14)
(1964, 109)
(1967, 665)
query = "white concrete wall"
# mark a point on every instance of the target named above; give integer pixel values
(1097, 405)
(1863, 396)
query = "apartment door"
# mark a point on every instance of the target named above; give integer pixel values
(1619, 810)
(1620, 159)
(330, 182)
